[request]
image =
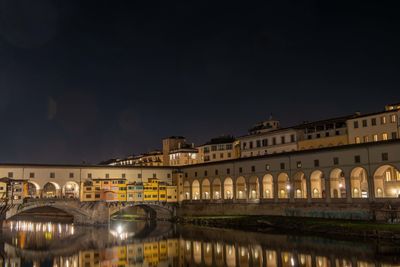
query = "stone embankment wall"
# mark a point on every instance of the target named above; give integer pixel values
(354, 211)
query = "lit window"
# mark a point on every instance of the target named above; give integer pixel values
(358, 140)
(375, 138)
(366, 139)
(384, 136)
(393, 118)
(383, 120)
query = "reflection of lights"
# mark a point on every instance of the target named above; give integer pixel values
(208, 248)
(120, 233)
(292, 261)
(218, 248)
(302, 259)
(187, 245)
(256, 254)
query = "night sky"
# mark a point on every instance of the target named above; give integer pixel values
(84, 80)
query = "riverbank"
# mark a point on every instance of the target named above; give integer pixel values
(300, 225)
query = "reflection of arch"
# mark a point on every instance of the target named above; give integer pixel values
(51, 189)
(71, 190)
(337, 183)
(207, 253)
(387, 180)
(359, 183)
(195, 190)
(254, 188)
(197, 255)
(205, 189)
(230, 254)
(228, 188)
(300, 185)
(186, 190)
(216, 188)
(317, 184)
(241, 188)
(283, 185)
(268, 186)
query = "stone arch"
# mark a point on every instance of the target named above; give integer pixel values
(387, 180)
(359, 183)
(268, 186)
(254, 188)
(228, 188)
(205, 189)
(241, 188)
(337, 182)
(70, 190)
(283, 185)
(51, 190)
(317, 181)
(216, 188)
(186, 190)
(300, 185)
(195, 190)
(33, 189)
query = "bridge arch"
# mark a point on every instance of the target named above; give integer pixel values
(300, 185)
(359, 183)
(317, 181)
(70, 190)
(216, 188)
(195, 190)
(283, 185)
(186, 191)
(337, 183)
(268, 186)
(241, 188)
(51, 190)
(254, 191)
(33, 189)
(387, 182)
(228, 188)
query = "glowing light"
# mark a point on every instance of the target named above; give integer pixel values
(288, 187)
(119, 229)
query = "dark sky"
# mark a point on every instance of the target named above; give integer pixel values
(90, 80)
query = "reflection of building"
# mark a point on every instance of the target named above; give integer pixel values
(221, 148)
(375, 127)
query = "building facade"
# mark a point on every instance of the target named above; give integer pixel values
(217, 149)
(374, 127)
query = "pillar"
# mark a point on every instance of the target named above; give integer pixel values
(371, 188)
(348, 189)
(276, 188)
(308, 185)
(260, 188)
(328, 189)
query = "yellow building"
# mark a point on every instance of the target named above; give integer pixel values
(150, 190)
(172, 194)
(325, 133)
(134, 192)
(221, 148)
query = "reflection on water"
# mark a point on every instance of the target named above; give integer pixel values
(163, 244)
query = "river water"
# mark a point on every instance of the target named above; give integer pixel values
(25, 243)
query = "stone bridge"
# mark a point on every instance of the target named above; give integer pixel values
(92, 213)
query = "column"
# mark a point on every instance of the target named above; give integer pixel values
(308, 185)
(276, 188)
(234, 188)
(201, 189)
(348, 189)
(191, 190)
(371, 188)
(260, 188)
(211, 190)
(328, 189)
(291, 190)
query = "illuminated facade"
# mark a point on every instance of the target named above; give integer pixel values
(375, 127)
(217, 149)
